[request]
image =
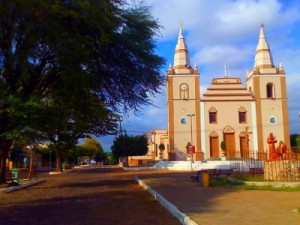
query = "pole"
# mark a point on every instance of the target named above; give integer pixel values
(191, 121)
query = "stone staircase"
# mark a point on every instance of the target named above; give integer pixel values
(196, 165)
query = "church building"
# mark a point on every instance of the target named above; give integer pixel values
(240, 115)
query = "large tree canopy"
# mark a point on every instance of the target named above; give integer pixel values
(125, 145)
(66, 66)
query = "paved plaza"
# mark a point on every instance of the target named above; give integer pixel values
(111, 196)
(222, 206)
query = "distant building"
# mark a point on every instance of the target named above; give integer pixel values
(242, 116)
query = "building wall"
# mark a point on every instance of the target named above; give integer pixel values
(270, 108)
(184, 102)
(227, 115)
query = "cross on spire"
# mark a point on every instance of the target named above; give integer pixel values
(225, 70)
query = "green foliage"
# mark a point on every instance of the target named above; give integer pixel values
(93, 144)
(125, 145)
(112, 159)
(298, 141)
(161, 147)
(225, 182)
(295, 139)
(223, 145)
(188, 144)
(67, 66)
(91, 148)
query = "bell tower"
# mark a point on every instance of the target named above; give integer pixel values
(183, 104)
(268, 86)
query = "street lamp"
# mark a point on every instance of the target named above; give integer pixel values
(191, 116)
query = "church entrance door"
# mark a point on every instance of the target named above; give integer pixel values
(230, 145)
(243, 147)
(214, 147)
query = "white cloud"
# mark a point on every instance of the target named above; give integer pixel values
(226, 33)
(220, 55)
(218, 21)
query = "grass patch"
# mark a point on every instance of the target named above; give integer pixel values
(225, 182)
(247, 177)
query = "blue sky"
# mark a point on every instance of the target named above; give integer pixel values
(218, 33)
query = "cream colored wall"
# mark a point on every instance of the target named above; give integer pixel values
(265, 79)
(227, 115)
(157, 137)
(182, 132)
(271, 107)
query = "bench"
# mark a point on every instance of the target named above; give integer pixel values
(211, 173)
(256, 170)
(224, 172)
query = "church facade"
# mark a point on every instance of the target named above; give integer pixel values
(240, 115)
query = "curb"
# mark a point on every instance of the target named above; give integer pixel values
(22, 186)
(183, 218)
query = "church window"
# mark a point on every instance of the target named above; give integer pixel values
(183, 120)
(270, 90)
(242, 115)
(212, 115)
(273, 120)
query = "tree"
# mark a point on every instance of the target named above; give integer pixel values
(295, 140)
(93, 144)
(298, 141)
(96, 147)
(125, 145)
(58, 56)
(161, 148)
(223, 147)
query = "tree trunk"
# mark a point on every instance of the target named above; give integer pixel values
(5, 146)
(31, 163)
(58, 159)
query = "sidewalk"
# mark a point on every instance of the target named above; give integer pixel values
(221, 206)
(22, 185)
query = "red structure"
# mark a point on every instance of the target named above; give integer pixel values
(278, 153)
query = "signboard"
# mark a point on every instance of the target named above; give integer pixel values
(190, 149)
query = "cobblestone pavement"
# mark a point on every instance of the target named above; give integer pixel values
(222, 206)
(84, 196)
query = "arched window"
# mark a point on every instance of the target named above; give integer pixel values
(212, 115)
(270, 90)
(242, 115)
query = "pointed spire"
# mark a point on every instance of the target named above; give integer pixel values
(280, 66)
(195, 66)
(181, 58)
(263, 57)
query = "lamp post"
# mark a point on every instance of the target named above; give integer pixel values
(191, 121)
